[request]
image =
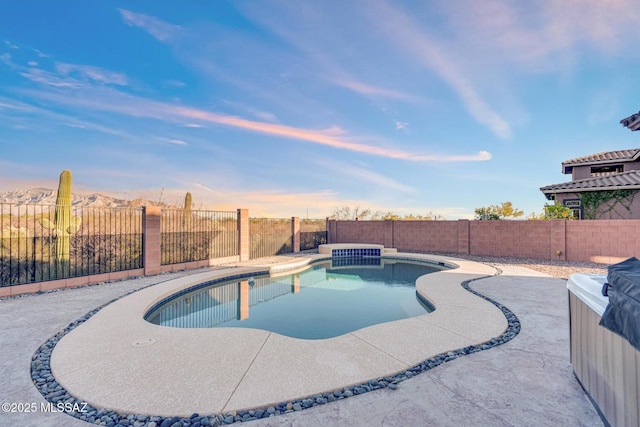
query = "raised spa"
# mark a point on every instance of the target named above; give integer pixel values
(328, 299)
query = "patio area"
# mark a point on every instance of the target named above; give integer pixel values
(527, 381)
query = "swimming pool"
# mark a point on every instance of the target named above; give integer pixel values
(328, 299)
(114, 358)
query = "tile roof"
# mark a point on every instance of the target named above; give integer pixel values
(602, 158)
(625, 180)
(632, 122)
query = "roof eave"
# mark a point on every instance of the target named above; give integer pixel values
(584, 190)
(599, 162)
(632, 122)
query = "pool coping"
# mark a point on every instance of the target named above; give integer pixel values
(107, 358)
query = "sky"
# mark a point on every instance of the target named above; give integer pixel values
(293, 108)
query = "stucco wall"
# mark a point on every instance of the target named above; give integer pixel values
(618, 212)
(631, 166)
(580, 172)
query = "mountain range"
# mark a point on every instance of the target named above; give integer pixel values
(45, 196)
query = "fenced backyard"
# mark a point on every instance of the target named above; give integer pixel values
(35, 247)
(188, 236)
(602, 241)
(45, 243)
(313, 233)
(270, 236)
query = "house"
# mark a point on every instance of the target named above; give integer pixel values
(632, 122)
(603, 185)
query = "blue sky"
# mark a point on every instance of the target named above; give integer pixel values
(292, 108)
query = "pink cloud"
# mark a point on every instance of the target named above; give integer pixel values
(320, 137)
(118, 102)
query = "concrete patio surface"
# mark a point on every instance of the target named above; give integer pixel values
(527, 381)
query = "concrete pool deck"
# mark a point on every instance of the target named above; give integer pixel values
(527, 380)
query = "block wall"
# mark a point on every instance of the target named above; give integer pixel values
(604, 241)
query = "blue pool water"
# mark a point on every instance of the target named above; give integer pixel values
(329, 299)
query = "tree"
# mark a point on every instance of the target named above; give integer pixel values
(554, 211)
(346, 213)
(503, 211)
(429, 216)
(386, 215)
(486, 213)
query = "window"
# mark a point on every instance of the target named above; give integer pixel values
(606, 170)
(575, 206)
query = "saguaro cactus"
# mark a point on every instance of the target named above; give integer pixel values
(63, 225)
(187, 205)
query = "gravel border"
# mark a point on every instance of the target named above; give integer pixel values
(556, 268)
(54, 393)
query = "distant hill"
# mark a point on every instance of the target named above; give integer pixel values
(45, 196)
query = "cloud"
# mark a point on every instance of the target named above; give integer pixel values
(271, 202)
(265, 116)
(44, 77)
(365, 89)
(326, 137)
(96, 74)
(114, 101)
(284, 203)
(408, 36)
(259, 114)
(539, 35)
(65, 75)
(330, 54)
(11, 104)
(174, 83)
(605, 24)
(19, 111)
(40, 54)
(172, 141)
(402, 125)
(367, 176)
(159, 29)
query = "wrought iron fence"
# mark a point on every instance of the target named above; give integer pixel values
(197, 235)
(313, 233)
(44, 242)
(269, 236)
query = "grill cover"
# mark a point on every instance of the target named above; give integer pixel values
(622, 314)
